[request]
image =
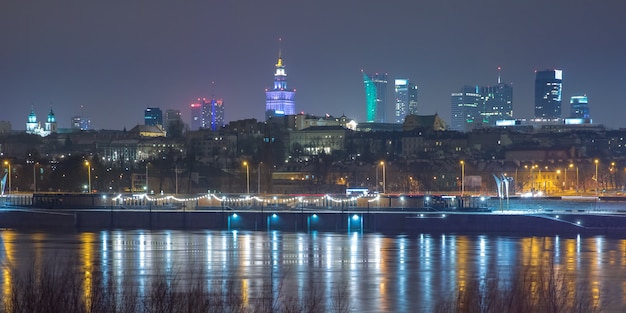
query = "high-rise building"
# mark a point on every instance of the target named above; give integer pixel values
(548, 87)
(153, 117)
(497, 103)
(207, 114)
(579, 107)
(280, 100)
(172, 116)
(81, 122)
(375, 97)
(466, 109)
(406, 99)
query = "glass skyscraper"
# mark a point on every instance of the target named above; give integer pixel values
(153, 117)
(548, 87)
(280, 100)
(375, 97)
(497, 103)
(207, 114)
(406, 99)
(579, 107)
(466, 109)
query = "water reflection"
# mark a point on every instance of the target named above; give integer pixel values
(379, 273)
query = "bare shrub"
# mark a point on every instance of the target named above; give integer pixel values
(53, 289)
(531, 289)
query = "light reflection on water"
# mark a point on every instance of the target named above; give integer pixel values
(380, 273)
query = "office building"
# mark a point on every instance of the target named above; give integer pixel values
(375, 97)
(171, 116)
(280, 100)
(406, 99)
(548, 88)
(153, 117)
(207, 114)
(81, 122)
(465, 110)
(496, 103)
(579, 107)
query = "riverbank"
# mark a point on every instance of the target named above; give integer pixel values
(401, 221)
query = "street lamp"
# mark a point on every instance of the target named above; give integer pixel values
(147, 189)
(258, 182)
(597, 180)
(462, 177)
(384, 177)
(35, 176)
(247, 177)
(532, 182)
(7, 163)
(88, 174)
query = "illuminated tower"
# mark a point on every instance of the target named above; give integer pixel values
(406, 99)
(579, 107)
(50, 126)
(32, 126)
(207, 114)
(375, 97)
(280, 100)
(548, 86)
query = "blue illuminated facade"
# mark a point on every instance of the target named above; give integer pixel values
(280, 100)
(579, 106)
(153, 117)
(207, 114)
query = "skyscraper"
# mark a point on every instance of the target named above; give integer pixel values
(81, 122)
(406, 99)
(375, 97)
(207, 114)
(497, 103)
(548, 87)
(171, 116)
(280, 100)
(466, 109)
(153, 117)
(579, 107)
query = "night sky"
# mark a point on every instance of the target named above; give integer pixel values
(117, 57)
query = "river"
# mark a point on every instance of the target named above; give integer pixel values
(374, 272)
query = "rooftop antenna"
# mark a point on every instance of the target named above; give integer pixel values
(213, 90)
(499, 80)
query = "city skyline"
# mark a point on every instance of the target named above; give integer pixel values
(116, 59)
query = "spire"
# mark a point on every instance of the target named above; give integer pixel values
(280, 77)
(280, 53)
(499, 80)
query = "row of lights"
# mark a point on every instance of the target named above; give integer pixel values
(273, 199)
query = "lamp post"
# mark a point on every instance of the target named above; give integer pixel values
(245, 163)
(35, 176)
(147, 189)
(384, 177)
(532, 182)
(258, 180)
(7, 163)
(88, 175)
(462, 177)
(597, 180)
(576, 178)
